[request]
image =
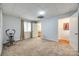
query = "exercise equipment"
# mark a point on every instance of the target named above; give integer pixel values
(10, 33)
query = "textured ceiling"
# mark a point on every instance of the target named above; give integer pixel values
(30, 10)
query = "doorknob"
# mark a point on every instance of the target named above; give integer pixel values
(76, 33)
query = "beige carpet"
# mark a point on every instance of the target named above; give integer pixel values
(38, 47)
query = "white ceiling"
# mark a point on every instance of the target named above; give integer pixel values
(30, 10)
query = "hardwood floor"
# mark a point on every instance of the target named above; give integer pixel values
(38, 47)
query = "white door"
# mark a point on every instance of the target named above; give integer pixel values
(74, 30)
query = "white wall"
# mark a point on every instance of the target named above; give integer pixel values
(50, 28)
(11, 22)
(1, 36)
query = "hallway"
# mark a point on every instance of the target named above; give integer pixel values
(38, 47)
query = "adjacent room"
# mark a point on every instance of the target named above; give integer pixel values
(39, 29)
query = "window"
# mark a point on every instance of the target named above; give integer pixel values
(27, 26)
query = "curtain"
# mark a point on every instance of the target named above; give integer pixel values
(22, 30)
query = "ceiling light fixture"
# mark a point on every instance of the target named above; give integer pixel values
(42, 13)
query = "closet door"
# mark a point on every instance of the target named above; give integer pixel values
(27, 30)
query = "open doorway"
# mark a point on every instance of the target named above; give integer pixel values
(68, 31)
(39, 29)
(32, 29)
